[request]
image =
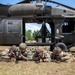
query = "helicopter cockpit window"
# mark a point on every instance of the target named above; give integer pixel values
(68, 26)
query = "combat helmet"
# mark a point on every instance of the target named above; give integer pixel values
(39, 49)
(22, 46)
(57, 50)
(14, 48)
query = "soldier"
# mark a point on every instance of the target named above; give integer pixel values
(4, 55)
(56, 54)
(4, 52)
(47, 56)
(8, 54)
(59, 55)
(41, 55)
(22, 48)
(11, 52)
(65, 56)
(38, 55)
(18, 52)
(30, 53)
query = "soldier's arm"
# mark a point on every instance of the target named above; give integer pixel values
(35, 57)
(67, 54)
(23, 57)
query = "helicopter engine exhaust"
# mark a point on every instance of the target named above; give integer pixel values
(26, 9)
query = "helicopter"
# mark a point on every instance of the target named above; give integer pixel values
(60, 20)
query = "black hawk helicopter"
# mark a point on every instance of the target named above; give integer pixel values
(61, 20)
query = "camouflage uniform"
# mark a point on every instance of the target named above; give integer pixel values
(55, 55)
(59, 55)
(8, 51)
(22, 49)
(38, 54)
(12, 51)
(42, 55)
(30, 51)
(65, 56)
(4, 52)
(18, 52)
(30, 54)
(4, 55)
(8, 54)
(47, 56)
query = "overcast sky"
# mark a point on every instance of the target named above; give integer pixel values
(35, 26)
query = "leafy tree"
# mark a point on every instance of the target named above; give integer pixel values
(28, 35)
(35, 33)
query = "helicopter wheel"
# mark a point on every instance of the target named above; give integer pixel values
(62, 46)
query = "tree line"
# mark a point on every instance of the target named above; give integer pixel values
(30, 35)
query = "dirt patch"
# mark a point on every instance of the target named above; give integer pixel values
(31, 68)
(4, 47)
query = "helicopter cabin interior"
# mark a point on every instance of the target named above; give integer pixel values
(68, 26)
(68, 31)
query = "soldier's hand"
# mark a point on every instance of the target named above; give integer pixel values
(40, 60)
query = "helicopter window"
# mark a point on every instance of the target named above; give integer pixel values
(13, 26)
(1, 27)
(68, 26)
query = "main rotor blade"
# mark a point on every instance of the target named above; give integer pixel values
(62, 5)
(25, 1)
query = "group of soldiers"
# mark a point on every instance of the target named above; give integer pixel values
(39, 54)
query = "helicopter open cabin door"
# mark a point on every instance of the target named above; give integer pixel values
(11, 31)
(1, 30)
(23, 31)
(68, 30)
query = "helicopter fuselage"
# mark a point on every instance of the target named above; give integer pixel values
(61, 21)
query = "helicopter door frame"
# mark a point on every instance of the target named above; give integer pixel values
(58, 29)
(23, 31)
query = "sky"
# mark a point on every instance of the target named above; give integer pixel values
(35, 26)
(67, 2)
